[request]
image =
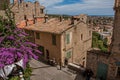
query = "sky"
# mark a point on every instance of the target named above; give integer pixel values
(75, 7)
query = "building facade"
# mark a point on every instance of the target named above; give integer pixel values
(63, 39)
(25, 13)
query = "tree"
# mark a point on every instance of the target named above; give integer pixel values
(97, 42)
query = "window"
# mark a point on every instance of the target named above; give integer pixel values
(89, 33)
(25, 17)
(37, 35)
(67, 38)
(83, 63)
(68, 54)
(26, 5)
(27, 31)
(81, 36)
(41, 49)
(47, 54)
(54, 39)
(41, 11)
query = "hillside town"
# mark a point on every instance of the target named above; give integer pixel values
(79, 47)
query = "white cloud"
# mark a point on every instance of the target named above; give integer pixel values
(48, 3)
(87, 6)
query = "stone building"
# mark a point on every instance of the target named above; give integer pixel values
(3, 2)
(25, 13)
(61, 39)
(107, 65)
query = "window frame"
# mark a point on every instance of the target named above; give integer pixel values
(68, 54)
(68, 38)
(54, 39)
(41, 49)
(37, 35)
(81, 36)
(41, 11)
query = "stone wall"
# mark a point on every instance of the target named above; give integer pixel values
(3, 2)
(26, 13)
(94, 57)
(46, 41)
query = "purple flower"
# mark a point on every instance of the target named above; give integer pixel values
(11, 37)
(15, 46)
(1, 39)
(25, 60)
(37, 51)
(20, 55)
(30, 43)
(25, 33)
(1, 65)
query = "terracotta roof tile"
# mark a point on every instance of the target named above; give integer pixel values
(51, 26)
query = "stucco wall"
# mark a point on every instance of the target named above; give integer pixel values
(79, 47)
(46, 41)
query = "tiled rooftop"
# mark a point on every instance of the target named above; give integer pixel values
(51, 26)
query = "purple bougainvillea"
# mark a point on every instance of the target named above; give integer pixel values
(14, 45)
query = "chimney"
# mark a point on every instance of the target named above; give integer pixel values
(72, 20)
(60, 18)
(34, 19)
(21, 1)
(46, 19)
(26, 23)
(15, 1)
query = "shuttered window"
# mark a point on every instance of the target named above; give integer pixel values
(53, 39)
(37, 35)
(67, 38)
(68, 54)
(81, 36)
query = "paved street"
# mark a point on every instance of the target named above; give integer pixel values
(42, 71)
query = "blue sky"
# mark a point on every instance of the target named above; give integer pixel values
(75, 7)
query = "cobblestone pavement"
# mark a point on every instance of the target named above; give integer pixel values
(42, 71)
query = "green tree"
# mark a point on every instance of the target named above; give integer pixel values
(97, 42)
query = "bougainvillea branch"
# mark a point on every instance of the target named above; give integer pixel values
(14, 45)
